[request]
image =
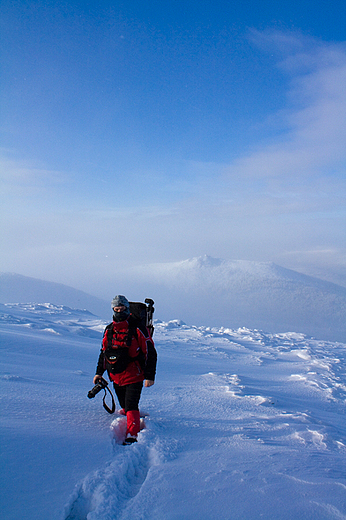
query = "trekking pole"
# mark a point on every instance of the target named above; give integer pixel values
(150, 312)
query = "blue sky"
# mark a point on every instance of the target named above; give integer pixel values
(139, 132)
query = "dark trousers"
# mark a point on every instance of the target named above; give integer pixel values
(129, 395)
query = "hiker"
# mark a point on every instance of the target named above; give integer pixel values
(129, 356)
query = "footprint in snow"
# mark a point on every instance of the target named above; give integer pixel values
(105, 493)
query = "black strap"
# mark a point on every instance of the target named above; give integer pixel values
(105, 406)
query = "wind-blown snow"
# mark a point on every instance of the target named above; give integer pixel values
(242, 425)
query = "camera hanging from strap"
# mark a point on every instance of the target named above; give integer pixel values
(103, 385)
(105, 406)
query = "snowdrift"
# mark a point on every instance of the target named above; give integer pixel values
(242, 424)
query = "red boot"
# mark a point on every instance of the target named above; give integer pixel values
(133, 426)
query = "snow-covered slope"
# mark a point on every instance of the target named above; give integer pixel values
(261, 295)
(243, 425)
(18, 288)
(212, 292)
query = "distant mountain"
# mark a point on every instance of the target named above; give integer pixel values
(15, 288)
(211, 292)
(260, 295)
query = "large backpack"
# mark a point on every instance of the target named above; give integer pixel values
(118, 358)
(143, 313)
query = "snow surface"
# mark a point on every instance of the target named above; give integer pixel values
(18, 288)
(242, 425)
(211, 292)
(237, 293)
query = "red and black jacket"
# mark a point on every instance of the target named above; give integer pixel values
(141, 351)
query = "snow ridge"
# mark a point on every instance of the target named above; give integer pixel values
(211, 291)
(243, 424)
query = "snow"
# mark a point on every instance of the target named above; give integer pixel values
(211, 292)
(242, 424)
(18, 288)
(236, 293)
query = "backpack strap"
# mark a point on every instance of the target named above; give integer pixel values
(132, 333)
(109, 332)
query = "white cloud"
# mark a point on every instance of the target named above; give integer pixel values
(22, 181)
(313, 137)
(279, 202)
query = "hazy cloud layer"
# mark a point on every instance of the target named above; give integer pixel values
(282, 201)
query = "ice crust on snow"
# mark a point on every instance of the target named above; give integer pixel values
(243, 424)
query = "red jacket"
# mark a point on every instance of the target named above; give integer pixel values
(140, 341)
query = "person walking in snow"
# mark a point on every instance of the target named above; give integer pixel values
(129, 356)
